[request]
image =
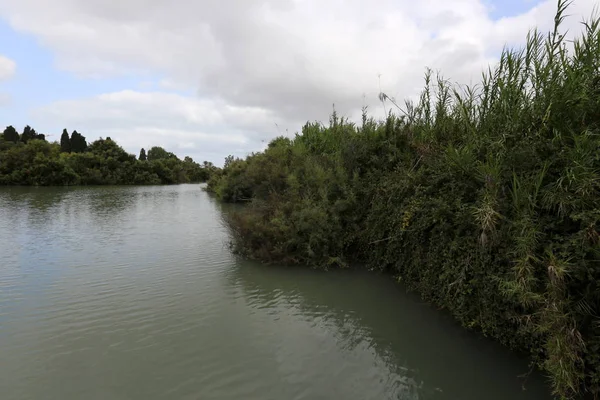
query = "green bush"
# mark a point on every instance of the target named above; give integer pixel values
(485, 200)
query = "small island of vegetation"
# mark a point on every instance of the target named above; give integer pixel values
(28, 159)
(485, 200)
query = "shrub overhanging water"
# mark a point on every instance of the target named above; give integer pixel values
(484, 199)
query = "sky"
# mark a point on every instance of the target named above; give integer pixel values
(210, 78)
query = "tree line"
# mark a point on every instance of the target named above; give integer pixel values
(485, 200)
(29, 159)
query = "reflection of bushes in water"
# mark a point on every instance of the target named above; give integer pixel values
(109, 202)
(289, 290)
(39, 206)
(48, 204)
(485, 200)
(40, 200)
(362, 311)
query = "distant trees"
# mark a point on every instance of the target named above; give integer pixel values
(158, 153)
(28, 134)
(74, 144)
(65, 142)
(228, 161)
(78, 143)
(10, 134)
(108, 148)
(28, 159)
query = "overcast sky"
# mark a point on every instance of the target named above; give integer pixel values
(208, 78)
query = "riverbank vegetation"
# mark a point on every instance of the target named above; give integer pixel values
(485, 200)
(28, 159)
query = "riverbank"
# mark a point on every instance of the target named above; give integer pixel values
(484, 200)
(29, 160)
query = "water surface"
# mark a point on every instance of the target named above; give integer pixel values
(131, 293)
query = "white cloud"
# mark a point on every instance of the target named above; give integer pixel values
(7, 68)
(287, 59)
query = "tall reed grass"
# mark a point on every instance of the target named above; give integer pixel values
(484, 199)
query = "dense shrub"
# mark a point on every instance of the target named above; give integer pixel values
(486, 200)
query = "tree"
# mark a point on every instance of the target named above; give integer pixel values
(158, 153)
(28, 134)
(107, 148)
(228, 161)
(28, 159)
(10, 134)
(65, 142)
(78, 143)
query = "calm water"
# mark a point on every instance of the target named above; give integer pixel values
(131, 293)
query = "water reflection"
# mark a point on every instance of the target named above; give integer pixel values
(108, 205)
(418, 351)
(131, 293)
(38, 198)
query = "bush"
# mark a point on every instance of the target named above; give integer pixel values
(485, 200)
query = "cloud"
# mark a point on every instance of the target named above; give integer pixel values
(287, 59)
(5, 99)
(7, 68)
(205, 129)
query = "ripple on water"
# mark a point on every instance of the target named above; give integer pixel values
(132, 293)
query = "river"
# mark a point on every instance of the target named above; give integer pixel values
(131, 293)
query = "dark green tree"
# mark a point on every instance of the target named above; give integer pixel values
(78, 142)
(142, 156)
(158, 153)
(65, 142)
(28, 134)
(107, 148)
(10, 134)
